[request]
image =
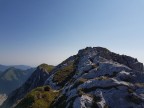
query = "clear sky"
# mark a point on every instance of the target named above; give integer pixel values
(48, 31)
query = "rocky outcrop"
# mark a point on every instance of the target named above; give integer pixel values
(102, 79)
(105, 53)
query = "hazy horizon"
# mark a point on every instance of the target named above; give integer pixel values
(49, 31)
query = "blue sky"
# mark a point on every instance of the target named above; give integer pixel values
(48, 31)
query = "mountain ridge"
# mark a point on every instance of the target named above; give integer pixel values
(98, 73)
(22, 67)
(94, 78)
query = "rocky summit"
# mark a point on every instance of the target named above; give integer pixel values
(94, 78)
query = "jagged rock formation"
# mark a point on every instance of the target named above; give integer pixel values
(101, 79)
(37, 79)
(98, 78)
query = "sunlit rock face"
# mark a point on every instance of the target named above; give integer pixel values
(102, 79)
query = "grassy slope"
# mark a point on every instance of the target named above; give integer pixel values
(48, 68)
(63, 75)
(41, 97)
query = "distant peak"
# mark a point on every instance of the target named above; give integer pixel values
(45, 67)
(11, 68)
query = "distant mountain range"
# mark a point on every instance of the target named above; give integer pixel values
(12, 78)
(22, 67)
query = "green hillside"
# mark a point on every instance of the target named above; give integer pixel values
(41, 97)
(46, 67)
